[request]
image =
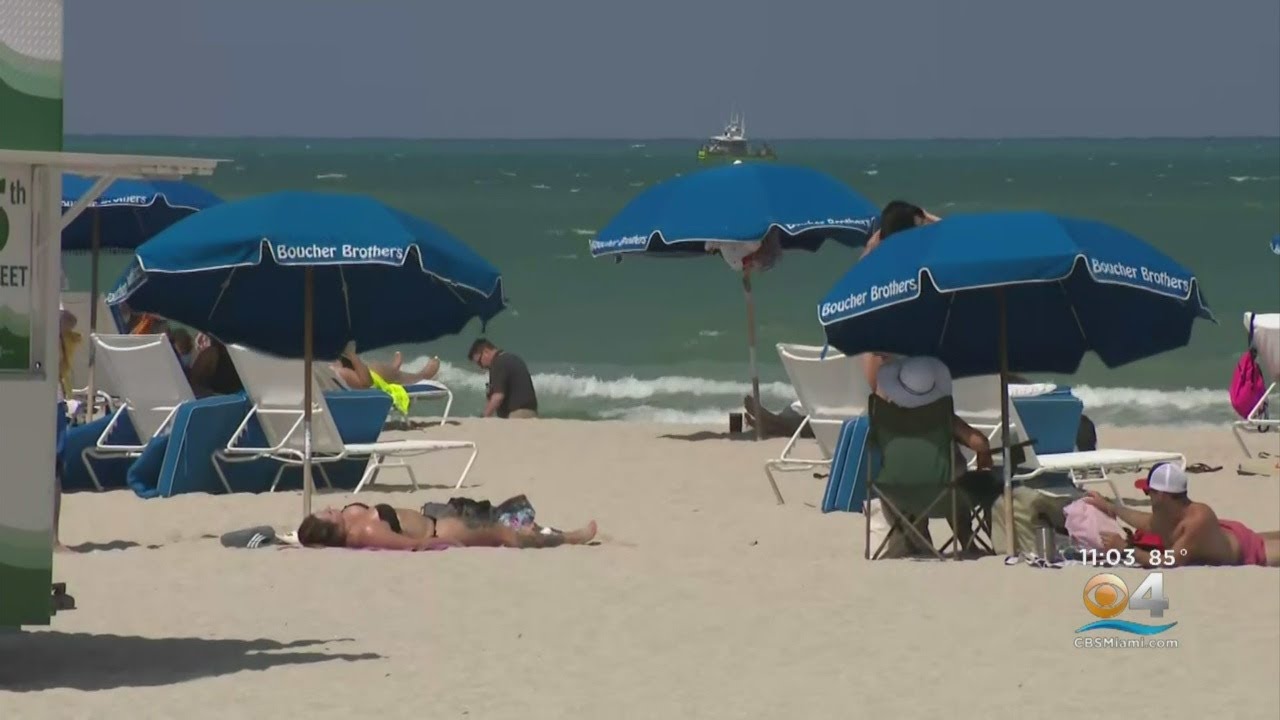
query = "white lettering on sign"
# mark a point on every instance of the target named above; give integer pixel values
(1140, 273)
(626, 242)
(324, 253)
(18, 311)
(875, 294)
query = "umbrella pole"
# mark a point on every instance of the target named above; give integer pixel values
(751, 351)
(308, 312)
(96, 243)
(1006, 457)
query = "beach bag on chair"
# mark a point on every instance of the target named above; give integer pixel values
(1247, 385)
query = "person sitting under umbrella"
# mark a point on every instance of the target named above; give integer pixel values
(384, 527)
(211, 371)
(915, 382)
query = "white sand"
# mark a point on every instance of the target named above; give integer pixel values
(706, 600)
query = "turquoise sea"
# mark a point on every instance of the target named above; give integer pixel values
(665, 341)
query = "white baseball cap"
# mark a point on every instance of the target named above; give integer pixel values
(1165, 477)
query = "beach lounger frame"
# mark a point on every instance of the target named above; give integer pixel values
(1079, 465)
(281, 416)
(425, 390)
(146, 373)
(78, 304)
(1266, 341)
(831, 388)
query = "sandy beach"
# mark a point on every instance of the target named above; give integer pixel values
(704, 599)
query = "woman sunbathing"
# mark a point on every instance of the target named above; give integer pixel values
(386, 528)
(355, 373)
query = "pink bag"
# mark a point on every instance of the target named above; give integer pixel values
(1086, 523)
(1247, 385)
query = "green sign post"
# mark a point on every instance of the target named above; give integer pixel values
(31, 119)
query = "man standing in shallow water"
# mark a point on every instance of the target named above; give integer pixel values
(510, 392)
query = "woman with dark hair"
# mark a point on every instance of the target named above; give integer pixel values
(385, 527)
(211, 371)
(897, 216)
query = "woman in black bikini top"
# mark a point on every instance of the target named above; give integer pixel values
(386, 514)
(388, 528)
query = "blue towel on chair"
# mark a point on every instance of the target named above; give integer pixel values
(847, 485)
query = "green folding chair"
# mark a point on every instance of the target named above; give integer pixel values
(916, 480)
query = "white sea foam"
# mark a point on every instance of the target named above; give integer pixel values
(540, 186)
(682, 398)
(628, 388)
(709, 333)
(668, 416)
(1252, 178)
(583, 231)
(331, 176)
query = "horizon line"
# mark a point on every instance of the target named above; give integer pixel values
(397, 138)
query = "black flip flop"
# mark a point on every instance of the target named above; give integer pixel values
(1202, 468)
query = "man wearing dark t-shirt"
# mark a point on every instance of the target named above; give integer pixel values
(510, 392)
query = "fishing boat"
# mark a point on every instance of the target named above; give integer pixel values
(732, 143)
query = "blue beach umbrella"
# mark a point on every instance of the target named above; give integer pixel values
(128, 212)
(301, 274)
(746, 213)
(1275, 244)
(1014, 292)
(125, 215)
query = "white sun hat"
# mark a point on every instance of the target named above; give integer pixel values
(914, 382)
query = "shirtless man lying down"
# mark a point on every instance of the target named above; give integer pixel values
(1190, 529)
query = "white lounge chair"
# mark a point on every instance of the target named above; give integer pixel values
(78, 304)
(429, 390)
(275, 388)
(1266, 340)
(147, 377)
(421, 390)
(1081, 464)
(831, 389)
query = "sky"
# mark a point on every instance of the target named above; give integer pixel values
(672, 68)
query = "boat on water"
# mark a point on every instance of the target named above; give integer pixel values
(732, 143)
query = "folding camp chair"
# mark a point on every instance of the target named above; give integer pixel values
(917, 475)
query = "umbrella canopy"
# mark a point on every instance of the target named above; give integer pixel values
(128, 212)
(738, 204)
(381, 276)
(748, 214)
(1070, 286)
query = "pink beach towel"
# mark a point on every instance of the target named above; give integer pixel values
(1086, 523)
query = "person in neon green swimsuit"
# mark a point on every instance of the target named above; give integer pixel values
(387, 377)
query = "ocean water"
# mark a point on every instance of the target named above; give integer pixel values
(665, 341)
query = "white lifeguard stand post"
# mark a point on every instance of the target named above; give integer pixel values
(31, 223)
